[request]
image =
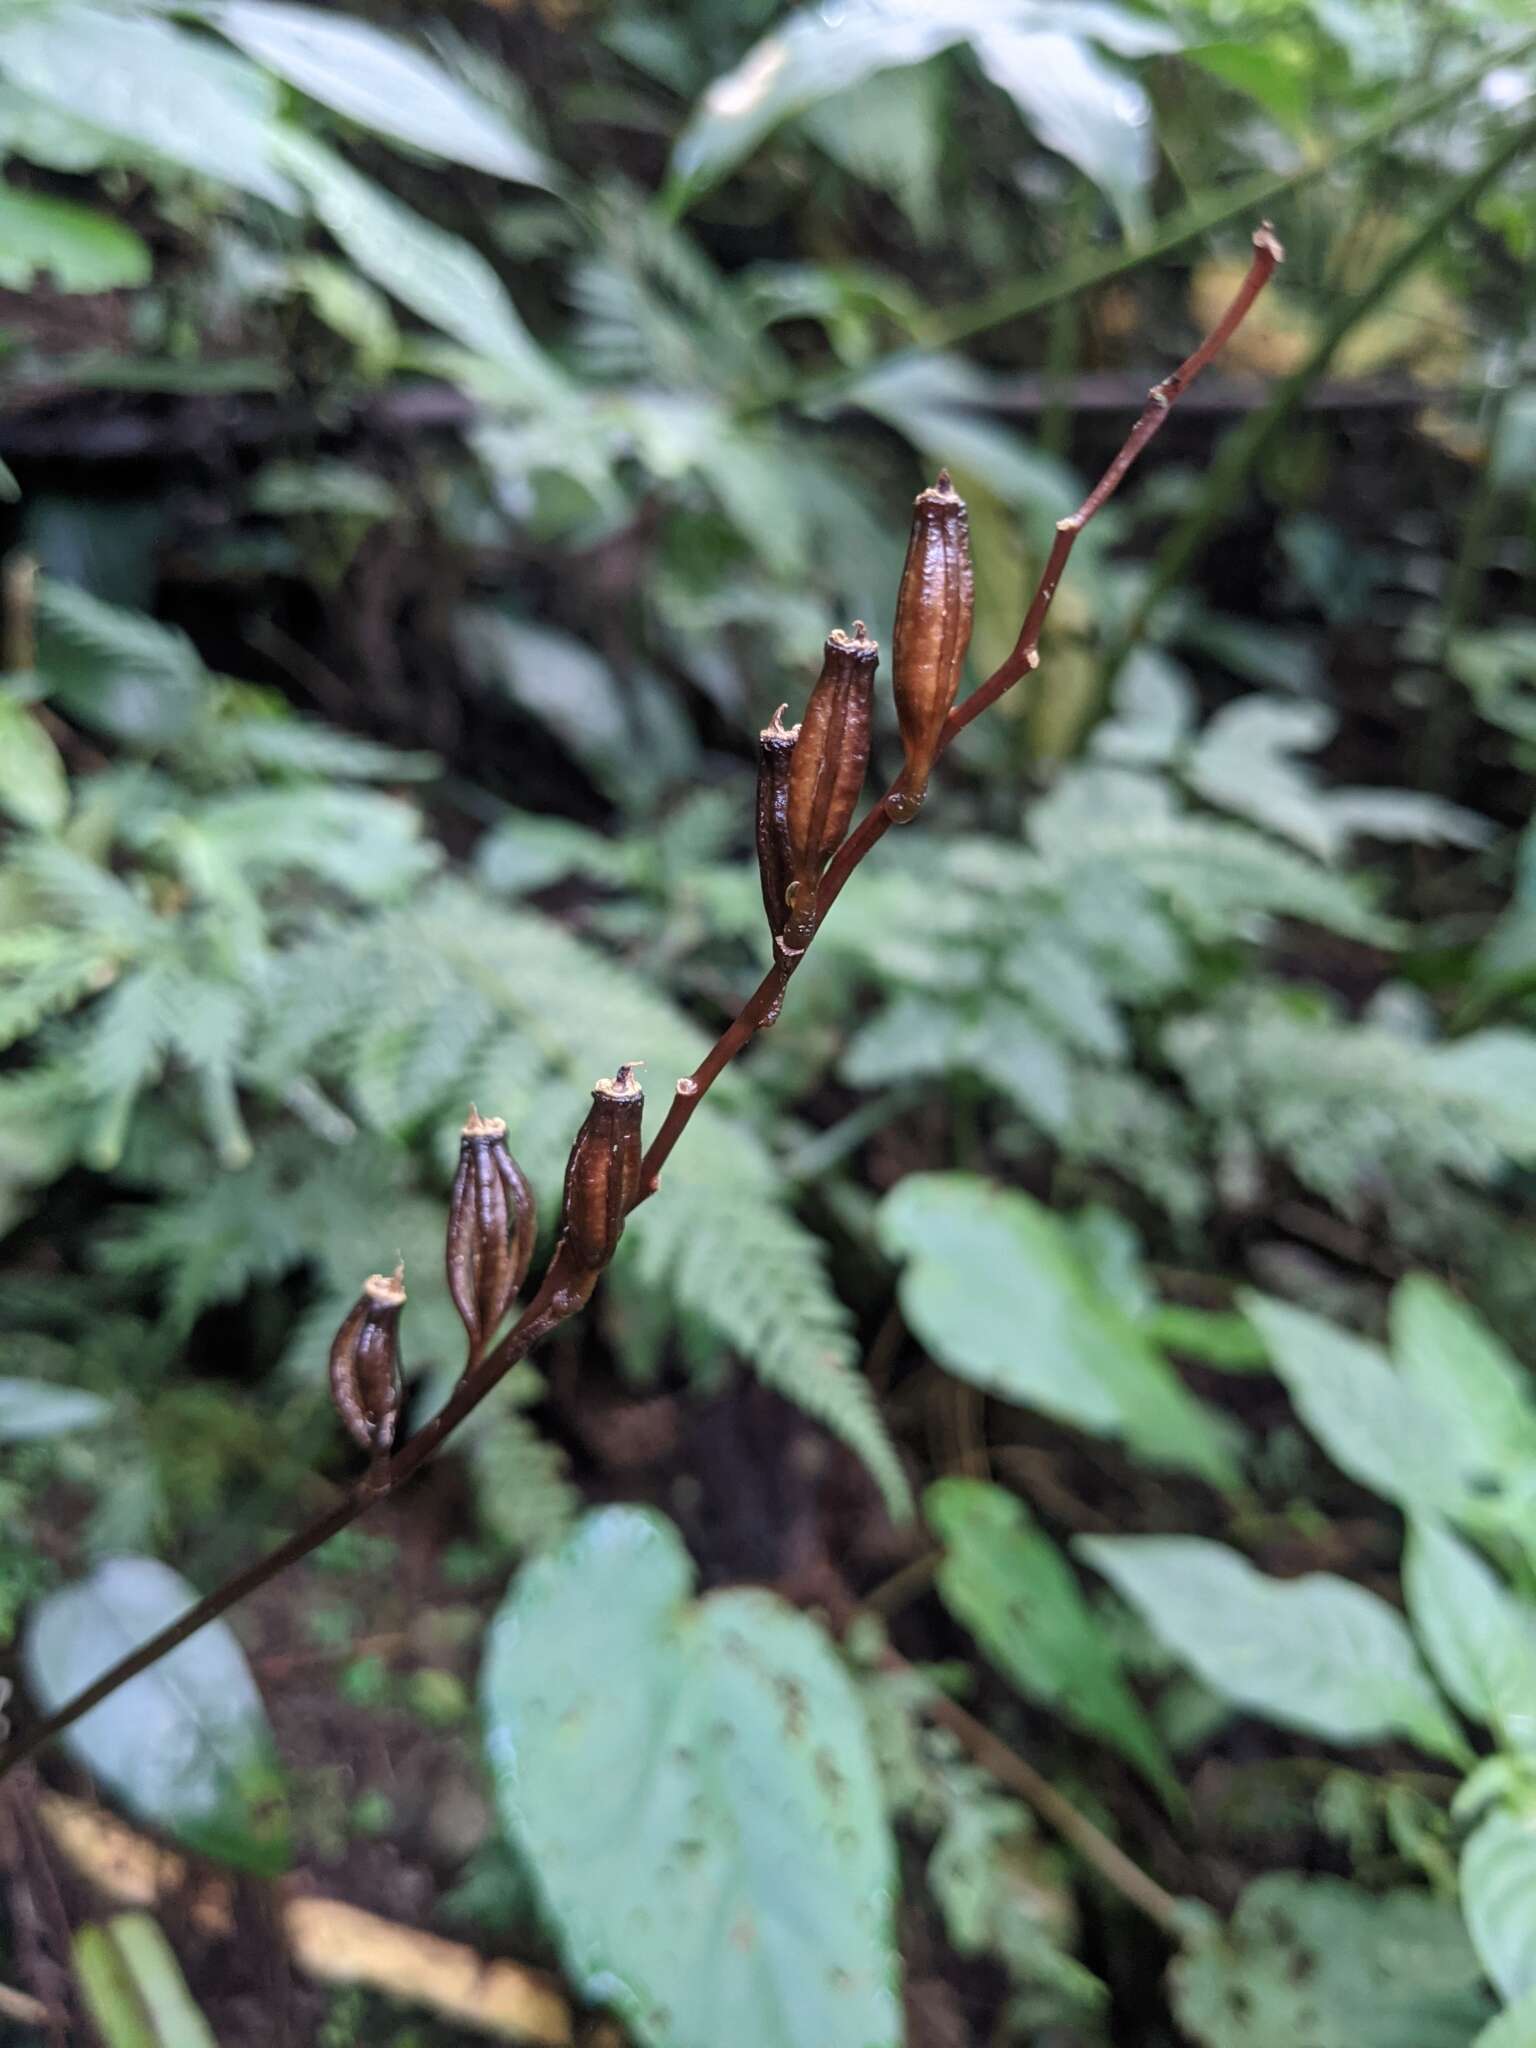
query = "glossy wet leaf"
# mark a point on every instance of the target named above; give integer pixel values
(1315, 1653)
(996, 1289)
(186, 1743)
(181, 97)
(1498, 1897)
(380, 81)
(1003, 1579)
(1314, 1962)
(691, 1783)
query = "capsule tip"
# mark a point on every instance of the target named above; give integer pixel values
(387, 1291)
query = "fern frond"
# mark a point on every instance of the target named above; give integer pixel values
(523, 1493)
(728, 1250)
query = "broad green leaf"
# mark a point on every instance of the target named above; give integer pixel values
(995, 1288)
(1005, 1580)
(1085, 109)
(1314, 1962)
(1498, 1897)
(440, 277)
(183, 99)
(74, 248)
(1480, 1640)
(1446, 1353)
(1219, 1337)
(381, 82)
(1371, 1424)
(115, 670)
(34, 789)
(1315, 1653)
(691, 1783)
(133, 1986)
(33, 1408)
(186, 1743)
(1515, 2028)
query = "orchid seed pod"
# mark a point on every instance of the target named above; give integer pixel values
(365, 1363)
(491, 1226)
(933, 630)
(775, 754)
(602, 1176)
(827, 768)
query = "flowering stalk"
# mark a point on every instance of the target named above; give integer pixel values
(606, 1178)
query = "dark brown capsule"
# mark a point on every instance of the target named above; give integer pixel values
(827, 768)
(933, 630)
(775, 753)
(602, 1176)
(365, 1363)
(491, 1225)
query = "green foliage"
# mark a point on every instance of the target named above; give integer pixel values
(731, 1869)
(133, 1986)
(1317, 1963)
(997, 1291)
(1010, 1585)
(187, 1742)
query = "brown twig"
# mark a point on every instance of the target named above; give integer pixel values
(557, 1298)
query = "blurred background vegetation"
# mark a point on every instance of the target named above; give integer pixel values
(432, 441)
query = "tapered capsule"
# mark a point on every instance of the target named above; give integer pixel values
(491, 1226)
(602, 1176)
(365, 1363)
(933, 630)
(827, 768)
(775, 753)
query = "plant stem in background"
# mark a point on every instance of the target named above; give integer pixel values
(1247, 444)
(558, 1295)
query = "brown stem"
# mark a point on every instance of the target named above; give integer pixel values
(1053, 1807)
(563, 1292)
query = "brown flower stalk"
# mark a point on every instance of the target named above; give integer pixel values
(606, 1178)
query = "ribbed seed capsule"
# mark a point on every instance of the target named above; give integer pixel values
(602, 1175)
(365, 1363)
(933, 630)
(775, 753)
(491, 1225)
(827, 768)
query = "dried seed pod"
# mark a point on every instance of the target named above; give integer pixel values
(491, 1225)
(365, 1363)
(933, 630)
(602, 1175)
(826, 770)
(775, 752)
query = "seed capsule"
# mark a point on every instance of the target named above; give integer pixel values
(491, 1224)
(365, 1363)
(602, 1175)
(933, 630)
(827, 768)
(775, 753)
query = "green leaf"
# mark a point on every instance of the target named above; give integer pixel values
(997, 1291)
(707, 1831)
(1515, 2028)
(381, 82)
(1219, 1337)
(1450, 1434)
(1498, 1897)
(133, 1986)
(1313, 1962)
(181, 98)
(30, 1409)
(34, 789)
(186, 1743)
(1479, 1639)
(1314, 1653)
(115, 670)
(74, 248)
(440, 277)
(1005, 1581)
